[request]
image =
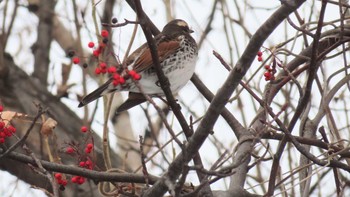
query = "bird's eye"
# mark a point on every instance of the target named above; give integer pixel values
(186, 29)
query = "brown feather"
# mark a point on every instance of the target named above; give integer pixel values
(165, 48)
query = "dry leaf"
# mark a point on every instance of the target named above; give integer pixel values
(48, 126)
(7, 116)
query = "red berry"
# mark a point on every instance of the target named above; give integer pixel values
(103, 65)
(112, 69)
(74, 179)
(11, 129)
(132, 72)
(88, 164)
(98, 71)
(267, 67)
(62, 182)
(87, 150)
(82, 163)
(104, 33)
(122, 80)
(115, 82)
(8, 133)
(260, 59)
(91, 44)
(76, 60)
(104, 70)
(89, 146)
(81, 180)
(2, 140)
(116, 76)
(83, 129)
(96, 53)
(70, 150)
(267, 74)
(2, 125)
(2, 134)
(58, 176)
(259, 53)
(136, 76)
(1, 108)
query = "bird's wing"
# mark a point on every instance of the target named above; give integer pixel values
(144, 61)
(140, 63)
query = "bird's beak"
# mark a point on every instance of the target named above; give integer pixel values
(191, 31)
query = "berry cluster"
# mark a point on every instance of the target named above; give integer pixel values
(86, 164)
(6, 129)
(102, 68)
(270, 72)
(117, 79)
(120, 75)
(134, 75)
(60, 180)
(101, 46)
(83, 157)
(96, 52)
(259, 54)
(88, 148)
(271, 69)
(73, 149)
(78, 180)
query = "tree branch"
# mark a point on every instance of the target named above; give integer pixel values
(221, 98)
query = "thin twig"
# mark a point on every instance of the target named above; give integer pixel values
(143, 157)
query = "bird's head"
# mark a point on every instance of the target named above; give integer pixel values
(176, 26)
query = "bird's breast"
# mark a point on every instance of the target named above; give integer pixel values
(178, 68)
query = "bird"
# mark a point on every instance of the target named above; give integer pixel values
(177, 52)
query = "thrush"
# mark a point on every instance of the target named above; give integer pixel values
(177, 52)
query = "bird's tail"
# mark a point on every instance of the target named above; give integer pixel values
(100, 91)
(133, 100)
